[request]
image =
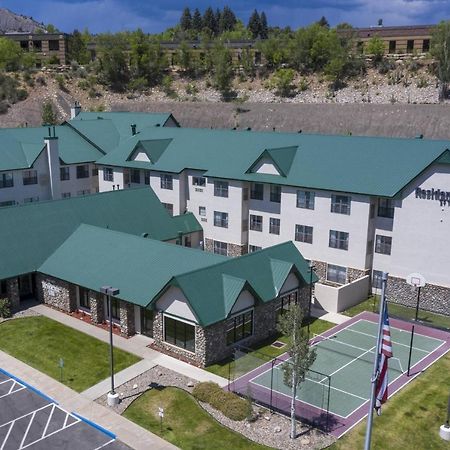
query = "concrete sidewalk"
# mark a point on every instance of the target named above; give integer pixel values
(136, 344)
(120, 378)
(128, 432)
(329, 316)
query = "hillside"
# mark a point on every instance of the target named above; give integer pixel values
(11, 22)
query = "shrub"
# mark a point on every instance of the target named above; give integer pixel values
(385, 65)
(282, 82)
(191, 89)
(84, 84)
(5, 310)
(166, 86)
(41, 81)
(422, 82)
(61, 82)
(231, 405)
(3, 107)
(22, 94)
(204, 391)
(138, 84)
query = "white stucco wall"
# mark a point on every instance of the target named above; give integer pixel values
(244, 301)
(174, 302)
(292, 282)
(421, 232)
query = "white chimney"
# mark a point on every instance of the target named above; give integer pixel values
(51, 143)
(75, 110)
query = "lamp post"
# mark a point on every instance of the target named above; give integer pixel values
(444, 431)
(311, 267)
(113, 397)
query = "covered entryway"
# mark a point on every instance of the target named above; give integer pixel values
(143, 320)
(27, 285)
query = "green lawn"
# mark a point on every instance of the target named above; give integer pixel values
(185, 423)
(411, 419)
(371, 304)
(41, 342)
(263, 352)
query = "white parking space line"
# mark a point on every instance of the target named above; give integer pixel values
(105, 444)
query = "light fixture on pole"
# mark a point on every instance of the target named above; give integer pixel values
(311, 267)
(113, 397)
(444, 431)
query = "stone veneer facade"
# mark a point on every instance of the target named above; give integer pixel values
(210, 341)
(12, 293)
(63, 296)
(233, 249)
(320, 268)
(432, 298)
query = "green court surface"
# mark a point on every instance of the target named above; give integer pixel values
(345, 363)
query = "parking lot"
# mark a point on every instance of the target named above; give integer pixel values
(29, 419)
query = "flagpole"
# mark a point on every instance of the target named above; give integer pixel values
(376, 362)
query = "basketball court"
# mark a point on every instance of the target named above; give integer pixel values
(336, 391)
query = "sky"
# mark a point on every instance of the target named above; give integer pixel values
(154, 16)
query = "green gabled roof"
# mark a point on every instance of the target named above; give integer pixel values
(186, 223)
(31, 232)
(444, 158)
(152, 148)
(93, 257)
(211, 298)
(282, 158)
(20, 147)
(354, 164)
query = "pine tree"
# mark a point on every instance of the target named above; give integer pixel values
(264, 32)
(197, 21)
(254, 24)
(186, 20)
(209, 20)
(227, 20)
(323, 22)
(48, 114)
(217, 17)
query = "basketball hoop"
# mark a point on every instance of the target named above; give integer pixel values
(416, 280)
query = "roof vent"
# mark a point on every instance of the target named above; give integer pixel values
(144, 235)
(249, 128)
(419, 136)
(273, 128)
(133, 129)
(299, 131)
(158, 125)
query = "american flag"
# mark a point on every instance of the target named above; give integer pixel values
(381, 391)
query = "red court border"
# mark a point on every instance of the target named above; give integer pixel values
(336, 425)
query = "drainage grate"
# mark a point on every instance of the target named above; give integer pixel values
(278, 344)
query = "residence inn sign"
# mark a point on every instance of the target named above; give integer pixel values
(434, 194)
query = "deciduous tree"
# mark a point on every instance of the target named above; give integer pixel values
(440, 49)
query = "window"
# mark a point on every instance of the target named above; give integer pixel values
(64, 173)
(7, 203)
(220, 248)
(202, 211)
(256, 223)
(377, 279)
(85, 301)
(53, 45)
(6, 180)
(221, 188)
(392, 46)
(338, 239)
(383, 244)
(257, 191)
(115, 308)
(199, 181)
(385, 208)
(166, 181)
(303, 233)
(340, 204)
(410, 46)
(239, 327)
(180, 334)
(95, 172)
(253, 248)
(83, 171)
(65, 195)
(83, 192)
(426, 46)
(220, 219)
(135, 176)
(305, 199)
(31, 199)
(169, 207)
(29, 177)
(336, 274)
(108, 174)
(147, 177)
(3, 287)
(126, 177)
(286, 301)
(274, 226)
(275, 193)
